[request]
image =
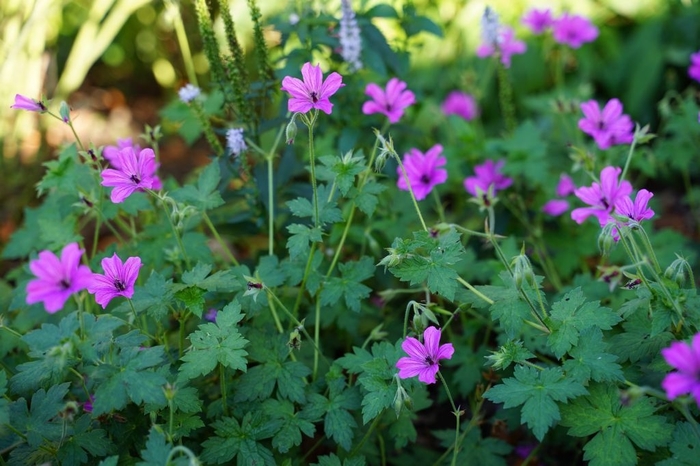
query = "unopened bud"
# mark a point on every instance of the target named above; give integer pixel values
(679, 271)
(291, 131)
(64, 111)
(522, 269)
(401, 400)
(607, 238)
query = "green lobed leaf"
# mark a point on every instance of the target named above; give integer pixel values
(157, 449)
(348, 285)
(299, 243)
(366, 198)
(537, 391)
(293, 424)
(602, 412)
(591, 361)
(684, 446)
(234, 439)
(571, 315)
(216, 343)
(205, 196)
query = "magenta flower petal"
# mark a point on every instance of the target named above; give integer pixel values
(423, 171)
(118, 279)
(694, 69)
(136, 172)
(487, 174)
(57, 279)
(573, 30)
(27, 103)
(508, 46)
(637, 210)
(423, 358)
(555, 207)
(607, 127)
(565, 186)
(685, 359)
(391, 103)
(460, 104)
(538, 21)
(312, 92)
(601, 197)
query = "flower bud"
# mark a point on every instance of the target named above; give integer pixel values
(64, 111)
(522, 269)
(291, 131)
(401, 400)
(607, 238)
(679, 271)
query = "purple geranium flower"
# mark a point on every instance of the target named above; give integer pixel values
(422, 170)
(555, 207)
(118, 280)
(686, 359)
(313, 91)
(636, 211)
(57, 279)
(27, 103)
(137, 172)
(573, 30)
(565, 186)
(537, 20)
(111, 153)
(460, 104)
(507, 46)
(487, 174)
(391, 103)
(423, 358)
(609, 127)
(694, 69)
(601, 197)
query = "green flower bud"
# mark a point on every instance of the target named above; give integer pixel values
(522, 269)
(606, 238)
(291, 131)
(64, 111)
(679, 271)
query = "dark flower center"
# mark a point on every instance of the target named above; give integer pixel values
(65, 284)
(119, 285)
(429, 360)
(425, 179)
(314, 97)
(601, 125)
(605, 203)
(135, 179)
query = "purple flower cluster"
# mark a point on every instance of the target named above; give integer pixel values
(487, 175)
(567, 29)
(57, 279)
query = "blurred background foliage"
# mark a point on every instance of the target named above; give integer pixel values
(118, 62)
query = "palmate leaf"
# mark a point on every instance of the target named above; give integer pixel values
(348, 285)
(216, 343)
(427, 259)
(81, 441)
(205, 196)
(537, 392)
(617, 427)
(338, 422)
(39, 422)
(293, 424)
(241, 439)
(684, 446)
(134, 379)
(376, 376)
(299, 243)
(343, 170)
(591, 361)
(571, 315)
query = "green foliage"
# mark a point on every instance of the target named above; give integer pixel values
(537, 392)
(348, 285)
(216, 343)
(204, 196)
(133, 378)
(241, 440)
(683, 446)
(427, 259)
(571, 315)
(617, 427)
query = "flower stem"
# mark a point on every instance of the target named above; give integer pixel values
(317, 337)
(505, 95)
(221, 242)
(181, 35)
(410, 191)
(629, 159)
(270, 156)
(468, 286)
(458, 414)
(312, 163)
(438, 206)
